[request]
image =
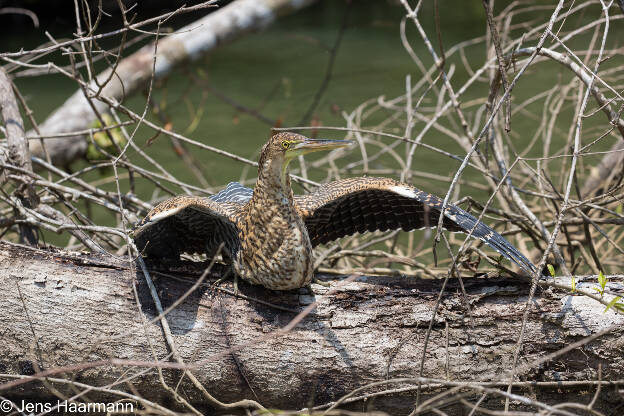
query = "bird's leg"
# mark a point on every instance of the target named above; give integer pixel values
(229, 273)
(223, 278)
(225, 254)
(235, 283)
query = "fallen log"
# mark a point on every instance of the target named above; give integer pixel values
(76, 316)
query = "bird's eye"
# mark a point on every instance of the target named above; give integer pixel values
(285, 144)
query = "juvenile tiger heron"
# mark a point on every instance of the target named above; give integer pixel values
(268, 233)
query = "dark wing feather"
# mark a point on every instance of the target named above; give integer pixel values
(188, 224)
(348, 206)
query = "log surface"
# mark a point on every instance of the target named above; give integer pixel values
(72, 308)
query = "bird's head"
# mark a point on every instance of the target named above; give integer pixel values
(285, 146)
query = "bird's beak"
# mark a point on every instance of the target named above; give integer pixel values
(315, 145)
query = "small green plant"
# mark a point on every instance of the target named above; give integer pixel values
(602, 281)
(573, 285)
(615, 304)
(551, 269)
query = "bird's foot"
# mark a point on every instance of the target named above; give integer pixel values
(235, 284)
(229, 274)
(320, 282)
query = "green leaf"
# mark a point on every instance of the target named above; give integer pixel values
(573, 284)
(602, 280)
(612, 303)
(103, 143)
(551, 270)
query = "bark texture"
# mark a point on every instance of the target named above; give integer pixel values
(17, 153)
(58, 309)
(17, 145)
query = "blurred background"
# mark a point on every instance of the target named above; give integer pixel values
(275, 72)
(332, 63)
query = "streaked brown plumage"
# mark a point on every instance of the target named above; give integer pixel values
(269, 233)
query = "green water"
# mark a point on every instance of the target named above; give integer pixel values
(278, 72)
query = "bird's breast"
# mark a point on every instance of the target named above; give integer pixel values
(275, 249)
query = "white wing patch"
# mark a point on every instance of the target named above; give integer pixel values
(403, 191)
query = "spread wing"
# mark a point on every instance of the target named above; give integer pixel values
(348, 206)
(190, 224)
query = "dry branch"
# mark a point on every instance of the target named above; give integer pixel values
(17, 152)
(76, 316)
(14, 127)
(134, 72)
(612, 161)
(61, 309)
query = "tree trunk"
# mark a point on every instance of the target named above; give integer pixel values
(59, 309)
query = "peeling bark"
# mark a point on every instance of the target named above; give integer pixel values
(82, 308)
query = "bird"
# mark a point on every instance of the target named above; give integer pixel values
(267, 234)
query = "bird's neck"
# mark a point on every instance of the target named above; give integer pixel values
(274, 182)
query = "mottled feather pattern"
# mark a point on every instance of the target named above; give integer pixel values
(188, 224)
(347, 206)
(336, 210)
(275, 248)
(269, 233)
